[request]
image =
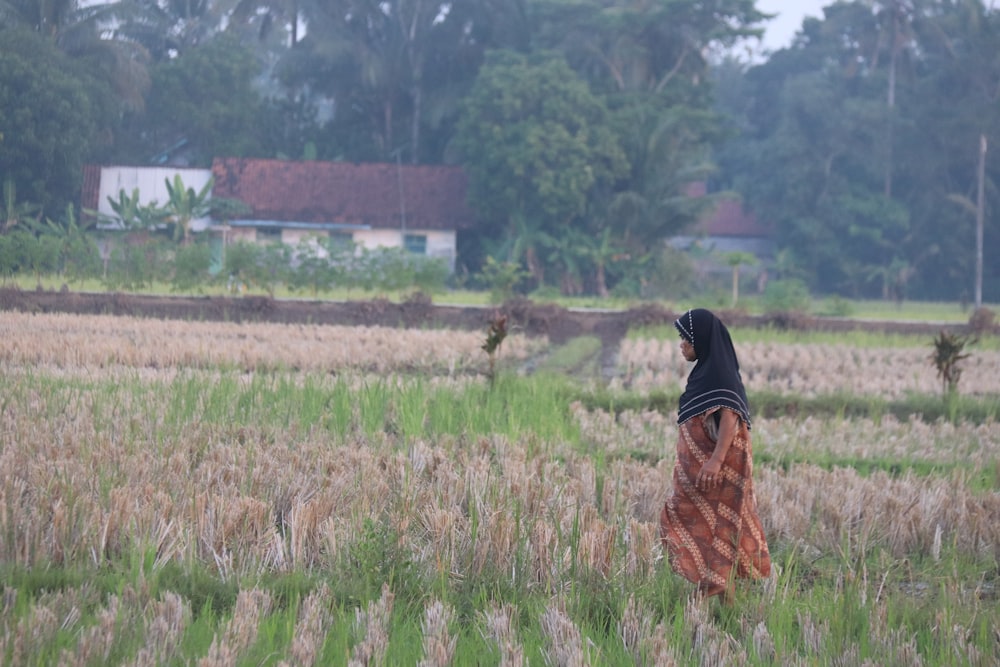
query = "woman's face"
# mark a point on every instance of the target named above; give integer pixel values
(687, 350)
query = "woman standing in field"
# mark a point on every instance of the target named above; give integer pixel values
(710, 525)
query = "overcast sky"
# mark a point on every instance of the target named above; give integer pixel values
(790, 13)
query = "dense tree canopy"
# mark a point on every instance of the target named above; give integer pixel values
(204, 102)
(582, 123)
(860, 143)
(536, 139)
(49, 121)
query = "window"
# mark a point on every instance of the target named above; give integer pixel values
(268, 235)
(341, 240)
(415, 243)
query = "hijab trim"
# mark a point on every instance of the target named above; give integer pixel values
(686, 331)
(719, 398)
(715, 380)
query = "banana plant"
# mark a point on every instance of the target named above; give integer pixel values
(13, 212)
(185, 205)
(134, 215)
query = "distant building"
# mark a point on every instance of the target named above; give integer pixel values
(101, 183)
(421, 208)
(418, 207)
(727, 228)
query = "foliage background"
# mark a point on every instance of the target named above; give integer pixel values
(858, 143)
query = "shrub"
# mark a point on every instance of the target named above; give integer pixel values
(135, 264)
(786, 296)
(192, 264)
(982, 320)
(502, 279)
(668, 274)
(430, 274)
(838, 306)
(948, 356)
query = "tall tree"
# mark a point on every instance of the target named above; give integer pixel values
(958, 92)
(651, 61)
(168, 28)
(396, 69)
(204, 100)
(863, 209)
(82, 31)
(643, 45)
(536, 143)
(49, 119)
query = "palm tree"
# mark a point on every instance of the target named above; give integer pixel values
(275, 19)
(898, 14)
(644, 45)
(736, 260)
(167, 28)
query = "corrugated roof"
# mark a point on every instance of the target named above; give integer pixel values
(91, 191)
(432, 197)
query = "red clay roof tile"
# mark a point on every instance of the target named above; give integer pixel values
(433, 197)
(728, 218)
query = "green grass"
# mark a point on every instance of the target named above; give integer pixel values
(843, 594)
(513, 406)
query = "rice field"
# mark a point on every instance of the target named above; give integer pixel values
(178, 493)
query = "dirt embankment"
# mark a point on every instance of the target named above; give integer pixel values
(559, 324)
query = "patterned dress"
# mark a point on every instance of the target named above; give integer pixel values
(714, 535)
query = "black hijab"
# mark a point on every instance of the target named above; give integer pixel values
(715, 379)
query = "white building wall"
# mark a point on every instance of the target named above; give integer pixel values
(151, 182)
(293, 237)
(237, 234)
(439, 243)
(378, 238)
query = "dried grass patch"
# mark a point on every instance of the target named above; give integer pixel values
(811, 369)
(89, 341)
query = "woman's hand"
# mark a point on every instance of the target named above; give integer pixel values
(710, 475)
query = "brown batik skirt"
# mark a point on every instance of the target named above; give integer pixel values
(714, 535)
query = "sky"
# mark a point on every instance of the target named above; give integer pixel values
(781, 29)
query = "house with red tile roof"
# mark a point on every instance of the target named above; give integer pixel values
(418, 207)
(727, 227)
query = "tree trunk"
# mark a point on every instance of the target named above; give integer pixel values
(602, 285)
(891, 101)
(736, 284)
